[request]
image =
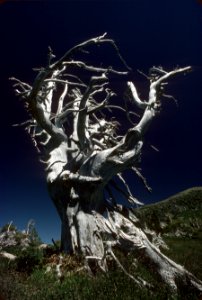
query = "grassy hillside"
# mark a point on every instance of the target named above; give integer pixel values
(179, 215)
(178, 219)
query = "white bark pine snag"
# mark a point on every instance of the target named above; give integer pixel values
(73, 108)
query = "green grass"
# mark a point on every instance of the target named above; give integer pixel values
(187, 252)
(26, 278)
(114, 285)
(182, 211)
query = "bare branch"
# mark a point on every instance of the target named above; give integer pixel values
(170, 97)
(139, 103)
(137, 172)
(98, 143)
(139, 281)
(9, 226)
(103, 104)
(83, 112)
(60, 105)
(97, 40)
(134, 200)
(67, 175)
(112, 198)
(142, 73)
(21, 83)
(126, 194)
(84, 66)
(65, 82)
(40, 105)
(154, 148)
(28, 122)
(170, 74)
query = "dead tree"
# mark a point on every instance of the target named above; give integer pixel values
(72, 107)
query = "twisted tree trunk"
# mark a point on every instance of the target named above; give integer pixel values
(95, 232)
(72, 125)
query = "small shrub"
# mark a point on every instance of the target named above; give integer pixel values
(29, 259)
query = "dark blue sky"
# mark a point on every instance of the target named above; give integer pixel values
(167, 33)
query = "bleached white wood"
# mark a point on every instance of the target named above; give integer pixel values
(83, 152)
(8, 255)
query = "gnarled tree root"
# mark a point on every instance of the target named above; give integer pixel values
(116, 230)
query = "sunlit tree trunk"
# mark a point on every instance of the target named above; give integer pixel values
(73, 126)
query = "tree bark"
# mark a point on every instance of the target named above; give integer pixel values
(85, 157)
(94, 233)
